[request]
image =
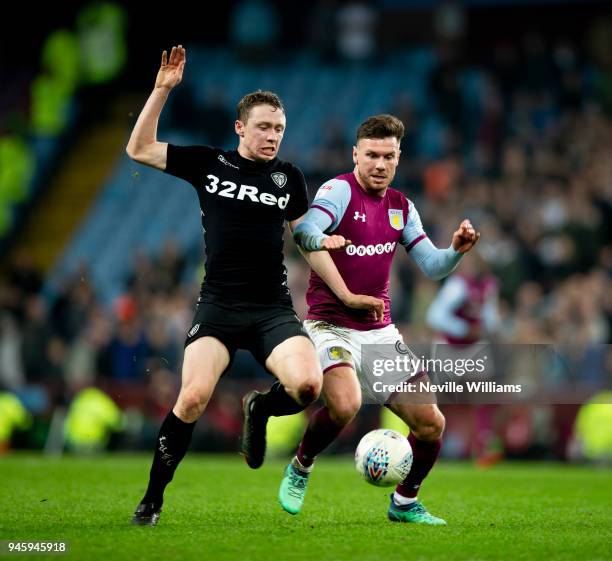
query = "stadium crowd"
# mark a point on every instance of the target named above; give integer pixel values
(530, 166)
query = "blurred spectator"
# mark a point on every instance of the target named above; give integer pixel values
(168, 267)
(161, 392)
(162, 352)
(60, 57)
(449, 21)
(444, 84)
(11, 364)
(184, 110)
(127, 353)
(91, 419)
(254, 29)
(86, 359)
(24, 276)
(538, 73)
(592, 438)
(322, 30)
(601, 51)
(216, 119)
(505, 67)
(128, 349)
(334, 150)
(356, 31)
(13, 417)
(465, 311)
(403, 109)
(37, 334)
(50, 105)
(17, 166)
(73, 305)
(101, 29)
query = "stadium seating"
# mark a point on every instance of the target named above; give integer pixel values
(140, 208)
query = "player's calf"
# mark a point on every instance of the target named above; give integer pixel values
(323, 427)
(258, 407)
(171, 446)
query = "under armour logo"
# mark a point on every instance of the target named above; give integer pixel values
(359, 216)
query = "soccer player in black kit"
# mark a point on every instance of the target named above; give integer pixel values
(245, 197)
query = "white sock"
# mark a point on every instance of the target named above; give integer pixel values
(296, 463)
(400, 500)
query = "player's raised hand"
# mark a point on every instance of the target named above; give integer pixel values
(364, 302)
(171, 70)
(335, 243)
(465, 237)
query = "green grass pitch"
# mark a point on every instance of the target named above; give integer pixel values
(218, 509)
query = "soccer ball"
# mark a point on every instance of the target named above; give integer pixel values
(383, 457)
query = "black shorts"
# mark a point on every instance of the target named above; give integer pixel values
(257, 328)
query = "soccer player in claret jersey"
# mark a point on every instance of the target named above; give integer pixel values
(466, 310)
(361, 207)
(245, 197)
(465, 315)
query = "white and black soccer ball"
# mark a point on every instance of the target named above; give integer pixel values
(383, 457)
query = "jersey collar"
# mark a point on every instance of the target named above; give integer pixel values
(372, 196)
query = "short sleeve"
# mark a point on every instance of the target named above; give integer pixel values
(188, 162)
(333, 198)
(298, 202)
(413, 232)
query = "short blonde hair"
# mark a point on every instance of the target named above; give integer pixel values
(260, 97)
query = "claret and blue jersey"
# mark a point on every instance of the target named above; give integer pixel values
(375, 225)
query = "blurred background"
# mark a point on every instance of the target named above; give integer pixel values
(508, 112)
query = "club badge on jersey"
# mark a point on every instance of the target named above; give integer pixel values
(279, 178)
(396, 219)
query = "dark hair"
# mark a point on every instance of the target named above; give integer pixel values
(259, 97)
(381, 126)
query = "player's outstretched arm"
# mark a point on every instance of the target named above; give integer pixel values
(322, 263)
(436, 263)
(439, 263)
(465, 237)
(143, 146)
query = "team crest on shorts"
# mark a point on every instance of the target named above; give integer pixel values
(338, 353)
(193, 330)
(279, 178)
(396, 219)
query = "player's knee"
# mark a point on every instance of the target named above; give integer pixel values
(430, 427)
(191, 402)
(438, 426)
(309, 389)
(342, 412)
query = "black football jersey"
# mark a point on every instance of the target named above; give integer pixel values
(244, 205)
